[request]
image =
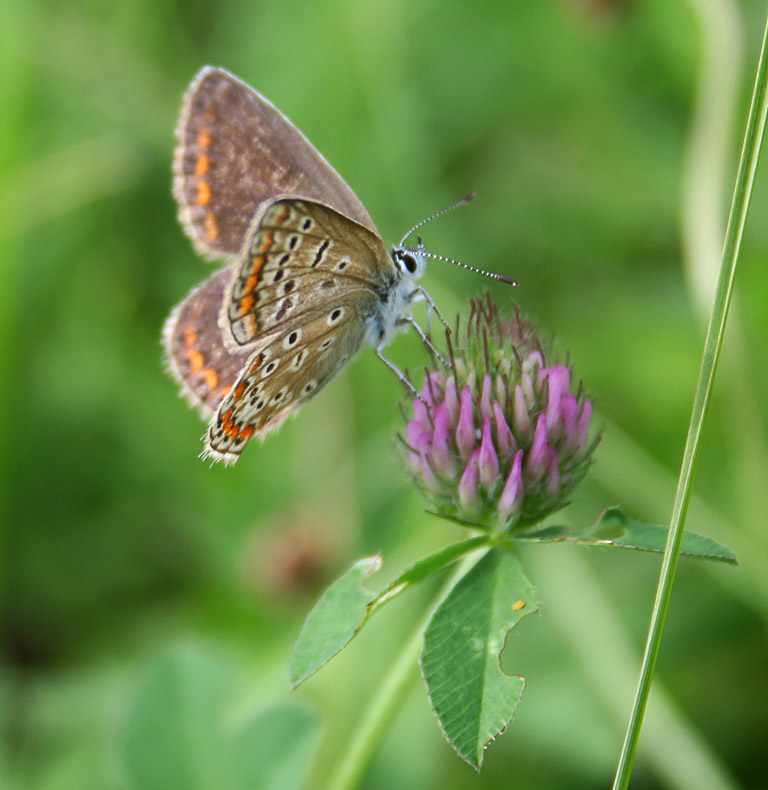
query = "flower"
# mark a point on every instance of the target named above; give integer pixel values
(499, 435)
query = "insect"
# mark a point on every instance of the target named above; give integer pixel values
(308, 280)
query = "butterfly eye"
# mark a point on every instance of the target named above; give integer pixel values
(407, 262)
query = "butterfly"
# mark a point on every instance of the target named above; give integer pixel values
(308, 280)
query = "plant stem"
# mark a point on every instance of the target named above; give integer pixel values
(712, 345)
(384, 705)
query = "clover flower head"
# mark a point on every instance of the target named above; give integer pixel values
(499, 436)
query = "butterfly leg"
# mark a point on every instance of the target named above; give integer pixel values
(425, 340)
(424, 294)
(396, 370)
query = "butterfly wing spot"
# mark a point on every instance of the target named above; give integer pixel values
(292, 339)
(279, 214)
(270, 368)
(262, 242)
(245, 328)
(244, 287)
(245, 435)
(257, 404)
(211, 227)
(335, 316)
(326, 344)
(244, 305)
(299, 359)
(309, 388)
(194, 357)
(278, 275)
(203, 164)
(203, 192)
(294, 242)
(288, 286)
(286, 306)
(204, 138)
(322, 252)
(282, 395)
(307, 224)
(252, 266)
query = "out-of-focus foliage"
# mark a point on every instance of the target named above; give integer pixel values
(575, 122)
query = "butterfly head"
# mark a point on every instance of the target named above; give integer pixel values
(410, 262)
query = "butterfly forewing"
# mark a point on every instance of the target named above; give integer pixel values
(234, 151)
(299, 256)
(288, 371)
(200, 362)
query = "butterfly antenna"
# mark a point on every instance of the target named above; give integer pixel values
(470, 197)
(502, 277)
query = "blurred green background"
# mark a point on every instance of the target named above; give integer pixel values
(145, 593)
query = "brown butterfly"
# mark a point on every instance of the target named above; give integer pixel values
(309, 279)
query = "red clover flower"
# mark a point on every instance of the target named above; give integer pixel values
(499, 436)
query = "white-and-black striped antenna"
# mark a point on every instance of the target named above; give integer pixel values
(463, 202)
(501, 277)
(471, 196)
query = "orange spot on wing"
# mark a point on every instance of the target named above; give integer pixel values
(203, 164)
(204, 138)
(211, 226)
(255, 365)
(246, 327)
(246, 433)
(246, 303)
(250, 283)
(203, 192)
(196, 360)
(284, 215)
(190, 337)
(267, 240)
(240, 390)
(211, 378)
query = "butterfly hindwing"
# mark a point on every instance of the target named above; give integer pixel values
(195, 354)
(287, 371)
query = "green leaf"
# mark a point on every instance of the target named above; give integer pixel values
(615, 528)
(173, 736)
(346, 605)
(335, 619)
(274, 749)
(472, 697)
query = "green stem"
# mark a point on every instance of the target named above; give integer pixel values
(712, 345)
(385, 704)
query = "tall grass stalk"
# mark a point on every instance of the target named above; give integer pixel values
(712, 345)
